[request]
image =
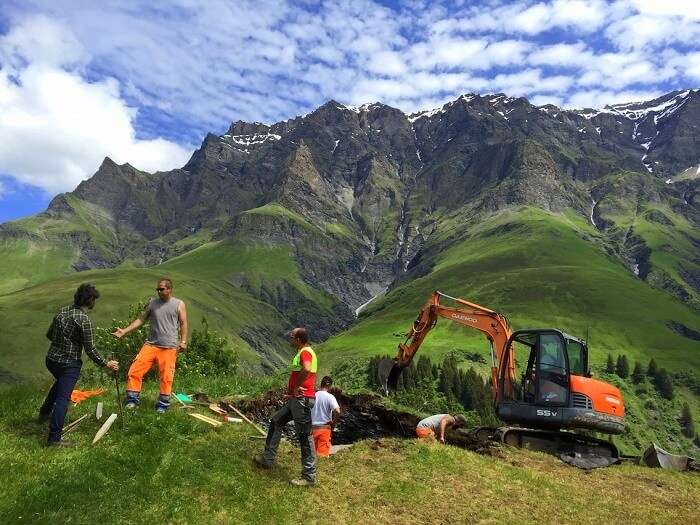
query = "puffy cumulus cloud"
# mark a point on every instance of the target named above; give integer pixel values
(529, 18)
(692, 65)
(40, 40)
(529, 81)
(562, 55)
(387, 63)
(642, 30)
(598, 98)
(688, 10)
(202, 65)
(57, 127)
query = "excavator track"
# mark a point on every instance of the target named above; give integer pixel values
(557, 443)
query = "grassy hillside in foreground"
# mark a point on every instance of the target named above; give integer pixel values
(205, 278)
(187, 472)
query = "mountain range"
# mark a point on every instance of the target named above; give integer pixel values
(307, 221)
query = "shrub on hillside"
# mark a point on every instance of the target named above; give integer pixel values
(426, 398)
(351, 374)
(664, 384)
(686, 421)
(125, 349)
(208, 353)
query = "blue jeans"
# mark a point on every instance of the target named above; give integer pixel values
(56, 402)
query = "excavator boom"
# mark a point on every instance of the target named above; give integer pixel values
(492, 324)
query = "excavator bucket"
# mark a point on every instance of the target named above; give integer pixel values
(388, 373)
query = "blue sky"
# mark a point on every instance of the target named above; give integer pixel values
(144, 84)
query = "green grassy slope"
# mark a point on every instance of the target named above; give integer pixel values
(205, 278)
(45, 246)
(175, 469)
(539, 270)
(639, 206)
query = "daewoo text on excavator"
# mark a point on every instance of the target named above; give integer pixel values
(556, 391)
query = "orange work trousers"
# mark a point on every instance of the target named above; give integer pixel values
(322, 440)
(423, 433)
(164, 357)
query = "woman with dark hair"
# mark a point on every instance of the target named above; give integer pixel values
(70, 333)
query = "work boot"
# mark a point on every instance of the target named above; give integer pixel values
(161, 410)
(62, 443)
(260, 462)
(131, 405)
(302, 482)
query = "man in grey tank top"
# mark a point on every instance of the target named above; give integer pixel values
(167, 336)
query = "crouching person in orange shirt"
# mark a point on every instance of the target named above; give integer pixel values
(324, 416)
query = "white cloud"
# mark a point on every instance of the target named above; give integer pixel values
(39, 40)
(532, 20)
(564, 55)
(387, 63)
(600, 98)
(205, 64)
(693, 65)
(56, 127)
(689, 10)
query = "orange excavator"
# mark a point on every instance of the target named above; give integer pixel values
(556, 395)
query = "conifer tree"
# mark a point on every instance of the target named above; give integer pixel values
(664, 384)
(618, 366)
(610, 366)
(622, 368)
(447, 381)
(651, 368)
(686, 421)
(638, 374)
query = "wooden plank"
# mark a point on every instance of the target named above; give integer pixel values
(217, 409)
(104, 428)
(262, 432)
(74, 424)
(206, 419)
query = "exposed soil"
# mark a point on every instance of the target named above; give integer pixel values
(363, 416)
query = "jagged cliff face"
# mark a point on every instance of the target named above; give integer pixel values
(358, 193)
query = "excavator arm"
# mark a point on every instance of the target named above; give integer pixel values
(492, 324)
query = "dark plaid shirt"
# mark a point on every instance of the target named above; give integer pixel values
(70, 332)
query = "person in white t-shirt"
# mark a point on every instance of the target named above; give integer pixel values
(324, 416)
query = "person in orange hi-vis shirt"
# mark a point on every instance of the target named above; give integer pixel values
(167, 316)
(324, 416)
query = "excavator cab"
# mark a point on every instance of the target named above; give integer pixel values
(556, 389)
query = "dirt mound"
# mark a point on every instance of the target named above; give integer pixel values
(363, 416)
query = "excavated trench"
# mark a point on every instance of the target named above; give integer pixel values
(363, 416)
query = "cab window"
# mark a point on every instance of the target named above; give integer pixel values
(576, 358)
